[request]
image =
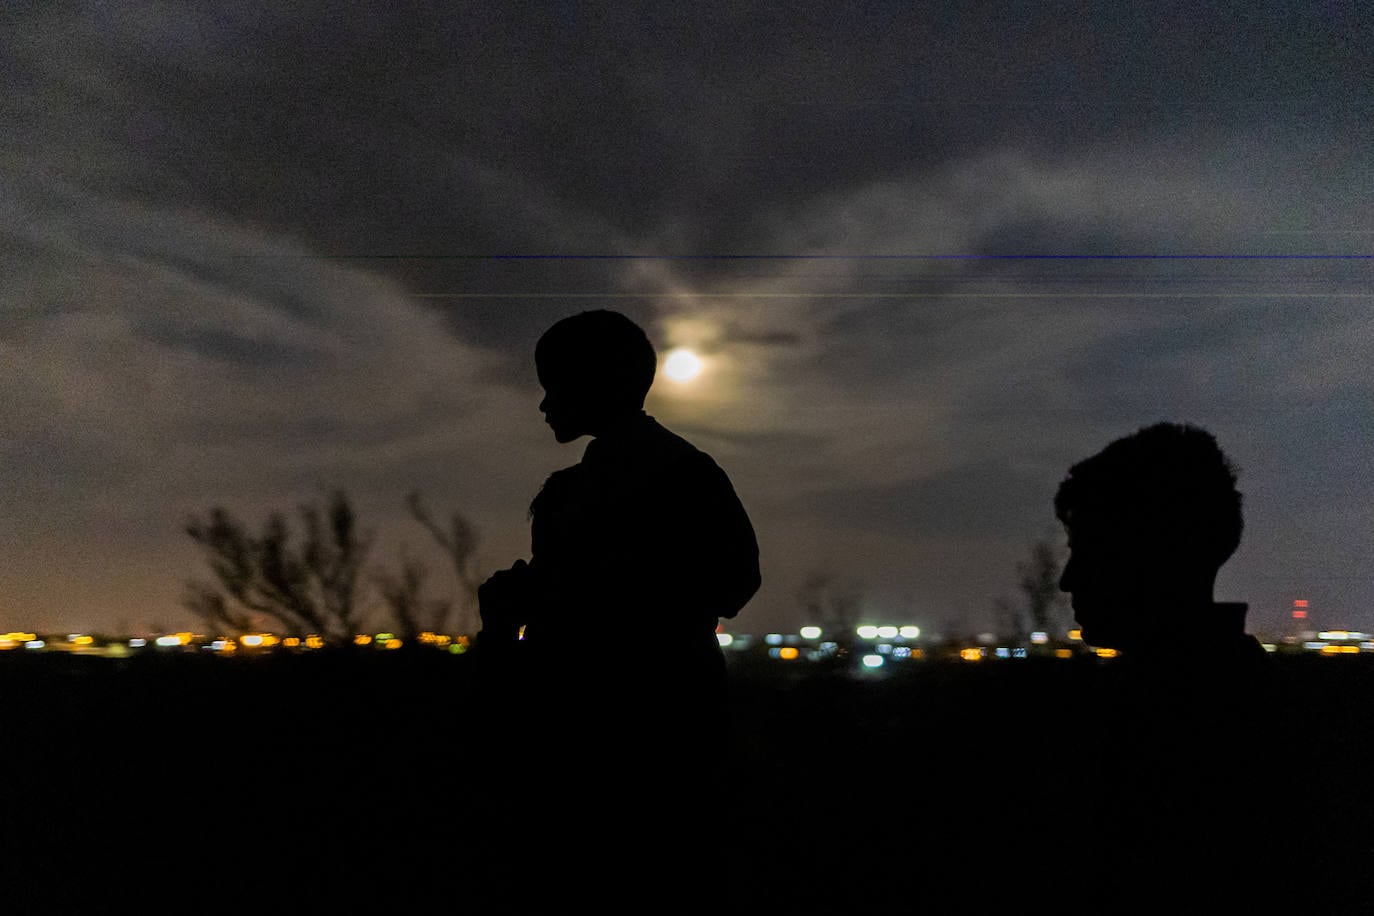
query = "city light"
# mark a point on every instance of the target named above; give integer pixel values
(886, 641)
(873, 661)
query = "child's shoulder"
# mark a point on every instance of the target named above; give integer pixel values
(557, 486)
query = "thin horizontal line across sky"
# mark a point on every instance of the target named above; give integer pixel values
(744, 295)
(825, 257)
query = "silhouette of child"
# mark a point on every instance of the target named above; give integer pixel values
(637, 553)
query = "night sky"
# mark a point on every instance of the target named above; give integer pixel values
(252, 253)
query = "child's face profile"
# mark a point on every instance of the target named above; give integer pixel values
(567, 406)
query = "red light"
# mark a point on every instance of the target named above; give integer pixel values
(1300, 602)
(1299, 615)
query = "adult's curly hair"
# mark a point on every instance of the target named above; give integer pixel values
(1166, 483)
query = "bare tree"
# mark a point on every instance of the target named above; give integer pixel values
(1011, 617)
(403, 594)
(209, 604)
(459, 542)
(311, 589)
(1038, 582)
(831, 603)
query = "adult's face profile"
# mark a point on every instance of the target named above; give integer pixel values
(1104, 584)
(1127, 582)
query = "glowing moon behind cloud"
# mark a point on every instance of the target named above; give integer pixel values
(682, 365)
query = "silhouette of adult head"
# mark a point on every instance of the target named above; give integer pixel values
(1151, 519)
(596, 368)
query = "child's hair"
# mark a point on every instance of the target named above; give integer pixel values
(605, 351)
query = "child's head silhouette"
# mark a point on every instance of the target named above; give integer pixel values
(595, 367)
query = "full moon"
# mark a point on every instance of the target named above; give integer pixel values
(682, 365)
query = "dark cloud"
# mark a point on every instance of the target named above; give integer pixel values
(398, 130)
(976, 500)
(762, 337)
(228, 346)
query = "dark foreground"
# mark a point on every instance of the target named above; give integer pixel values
(345, 783)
